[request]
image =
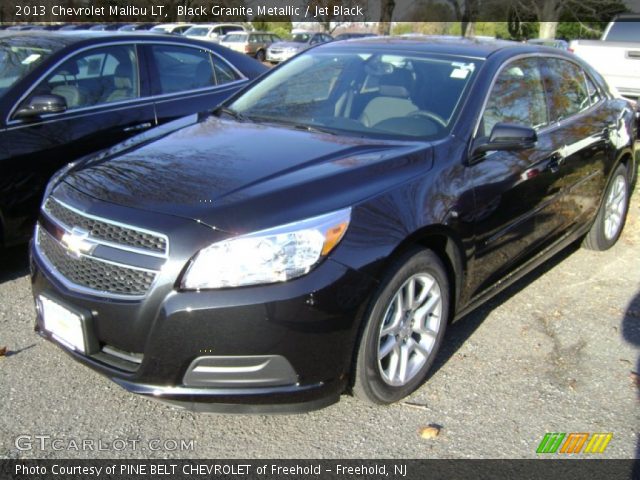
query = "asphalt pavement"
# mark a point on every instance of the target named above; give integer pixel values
(557, 352)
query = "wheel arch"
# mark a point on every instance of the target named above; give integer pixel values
(445, 243)
(627, 159)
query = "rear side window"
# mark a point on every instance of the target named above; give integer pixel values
(594, 95)
(182, 68)
(223, 72)
(624, 31)
(517, 97)
(236, 37)
(567, 88)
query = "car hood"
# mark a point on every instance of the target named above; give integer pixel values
(240, 176)
(293, 45)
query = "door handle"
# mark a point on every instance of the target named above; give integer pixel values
(555, 162)
(140, 126)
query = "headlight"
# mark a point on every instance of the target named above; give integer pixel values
(268, 256)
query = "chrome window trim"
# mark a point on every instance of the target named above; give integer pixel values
(9, 121)
(195, 91)
(83, 112)
(550, 125)
(53, 271)
(117, 224)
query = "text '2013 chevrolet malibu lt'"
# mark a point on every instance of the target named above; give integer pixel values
(316, 234)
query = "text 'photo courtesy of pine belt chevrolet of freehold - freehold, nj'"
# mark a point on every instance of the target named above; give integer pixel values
(401, 226)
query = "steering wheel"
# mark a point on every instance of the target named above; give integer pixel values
(431, 116)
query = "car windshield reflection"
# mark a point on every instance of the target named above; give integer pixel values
(363, 93)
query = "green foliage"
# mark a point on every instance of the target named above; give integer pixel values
(400, 28)
(275, 25)
(576, 30)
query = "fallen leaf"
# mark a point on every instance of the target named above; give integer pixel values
(431, 431)
(635, 378)
(3, 351)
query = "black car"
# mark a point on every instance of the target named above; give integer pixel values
(67, 94)
(317, 233)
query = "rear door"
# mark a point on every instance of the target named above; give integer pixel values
(107, 100)
(188, 79)
(580, 127)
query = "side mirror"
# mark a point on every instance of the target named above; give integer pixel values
(40, 105)
(506, 137)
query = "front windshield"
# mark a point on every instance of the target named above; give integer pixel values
(17, 58)
(301, 38)
(362, 93)
(197, 31)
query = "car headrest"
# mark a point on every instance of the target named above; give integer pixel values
(69, 68)
(122, 76)
(397, 84)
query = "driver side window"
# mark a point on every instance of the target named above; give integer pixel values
(517, 97)
(98, 76)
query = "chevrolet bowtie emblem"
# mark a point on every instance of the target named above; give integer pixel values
(77, 242)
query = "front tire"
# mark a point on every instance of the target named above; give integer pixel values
(612, 213)
(403, 330)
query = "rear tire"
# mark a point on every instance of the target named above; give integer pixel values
(611, 217)
(404, 328)
(260, 56)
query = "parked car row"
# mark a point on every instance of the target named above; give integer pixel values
(317, 232)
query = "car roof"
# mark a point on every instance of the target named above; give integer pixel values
(59, 40)
(69, 37)
(469, 47)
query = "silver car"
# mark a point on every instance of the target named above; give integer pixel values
(281, 51)
(212, 32)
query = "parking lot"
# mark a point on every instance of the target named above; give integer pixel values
(556, 352)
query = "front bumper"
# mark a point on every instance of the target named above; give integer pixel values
(277, 348)
(277, 57)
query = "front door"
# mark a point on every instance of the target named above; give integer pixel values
(515, 190)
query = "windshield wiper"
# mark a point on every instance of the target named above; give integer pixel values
(232, 113)
(311, 128)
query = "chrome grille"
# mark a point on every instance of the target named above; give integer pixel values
(91, 273)
(103, 230)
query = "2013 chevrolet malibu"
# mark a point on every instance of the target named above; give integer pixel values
(64, 95)
(318, 232)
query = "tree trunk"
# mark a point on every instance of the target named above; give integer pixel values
(386, 13)
(469, 29)
(548, 29)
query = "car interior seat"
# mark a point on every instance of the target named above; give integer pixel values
(69, 90)
(393, 99)
(123, 83)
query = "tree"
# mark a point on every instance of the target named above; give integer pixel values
(549, 12)
(386, 14)
(281, 26)
(466, 11)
